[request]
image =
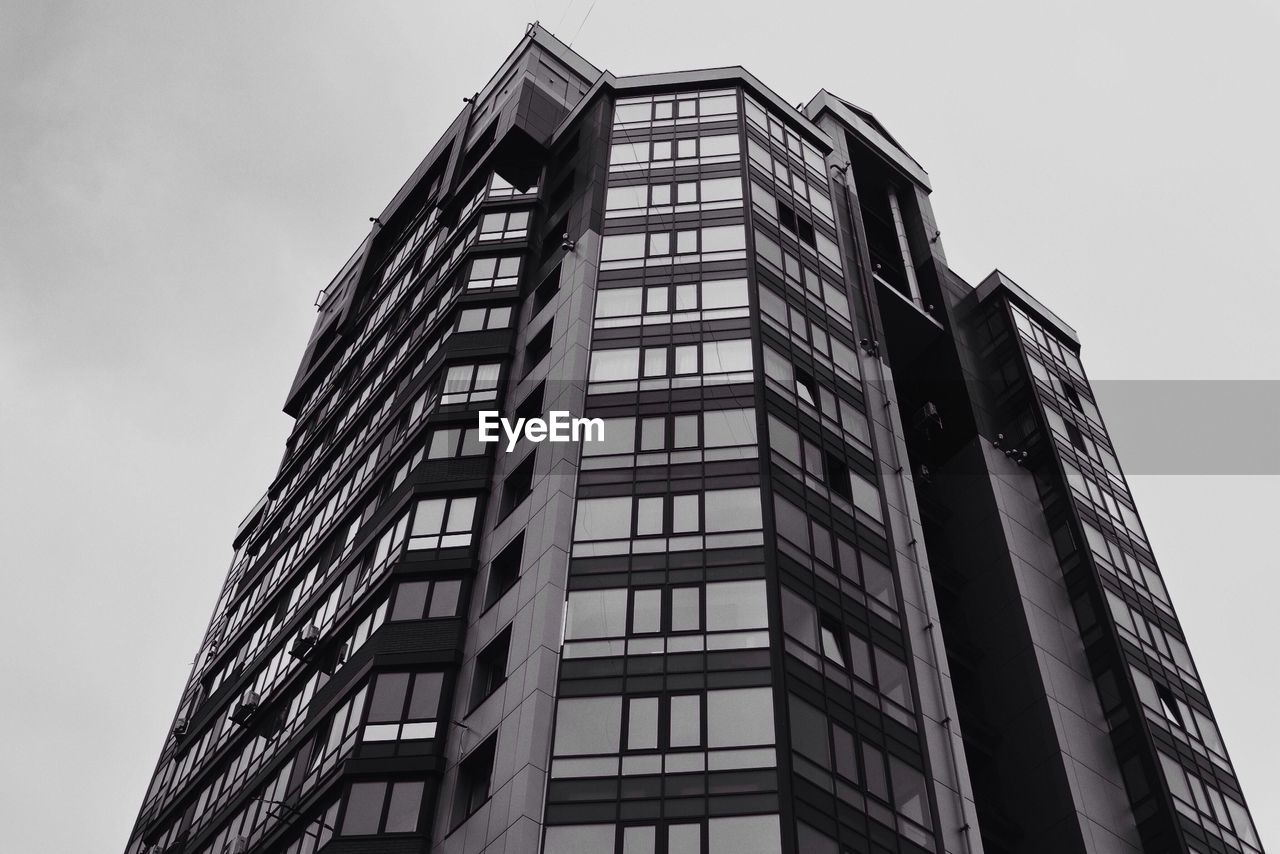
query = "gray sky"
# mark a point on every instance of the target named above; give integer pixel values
(180, 179)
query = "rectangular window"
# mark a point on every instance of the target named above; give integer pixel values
(491, 667)
(494, 272)
(441, 523)
(479, 319)
(404, 707)
(475, 779)
(506, 225)
(504, 571)
(418, 600)
(382, 807)
(470, 383)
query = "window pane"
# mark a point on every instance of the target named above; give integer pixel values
(809, 732)
(733, 605)
(444, 601)
(619, 438)
(726, 427)
(741, 716)
(639, 840)
(686, 609)
(799, 619)
(388, 697)
(724, 293)
(596, 614)
(603, 519)
(642, 723)
(723, 238)
(653, 434)
(402, 815)
(713, 146)
(686, 721)
(587, 725)
(364, 808)
(425, 700)
(580, 839)
(619, 302)
(647, 611)
(748, 834)
(726, 356)
(620, 198)
(686, 431)
(616, 247)
(684, 839)
(649, 516)
(684, 513)
(620, 364)
(461, 513)
(909, 795)
(429, 517)
(733, 509)
(411, 598)
(721, 189)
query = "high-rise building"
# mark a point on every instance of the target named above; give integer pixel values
(852, 568)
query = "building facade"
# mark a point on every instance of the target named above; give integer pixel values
(853, 567)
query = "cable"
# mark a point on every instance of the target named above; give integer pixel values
(590, 9)
(567, 7)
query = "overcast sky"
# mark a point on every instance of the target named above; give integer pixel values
(180, 179)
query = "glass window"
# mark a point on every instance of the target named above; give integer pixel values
(615, 247)
(723, 238)
(646, 615)
(684, 513)
(722, 357)
(719, 145)
(603, 519)
(653, 434)
(721, 189)
(626, 198)
(587, 725)
(909, 795)
(580, 838)
(684, 839)
(799, 619)
(740, 717)
(892, 678)
(442, 523)
(639, 839)
(649, 516)
(686, 609)
(618, 302)
(612, 365)
(499, 272)
(596, 614)
(619, 438)
(733, 509)
(686, 720)
(735, 605)
(642, 723)
(747, 834)
(809, 732)
(718, 105)
(364, 808)
(724, 293)
(728, 427)
(402, 810)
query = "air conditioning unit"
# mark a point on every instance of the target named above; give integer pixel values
(180, 727)
(305, 642)
(246, 708)
(239, 845)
